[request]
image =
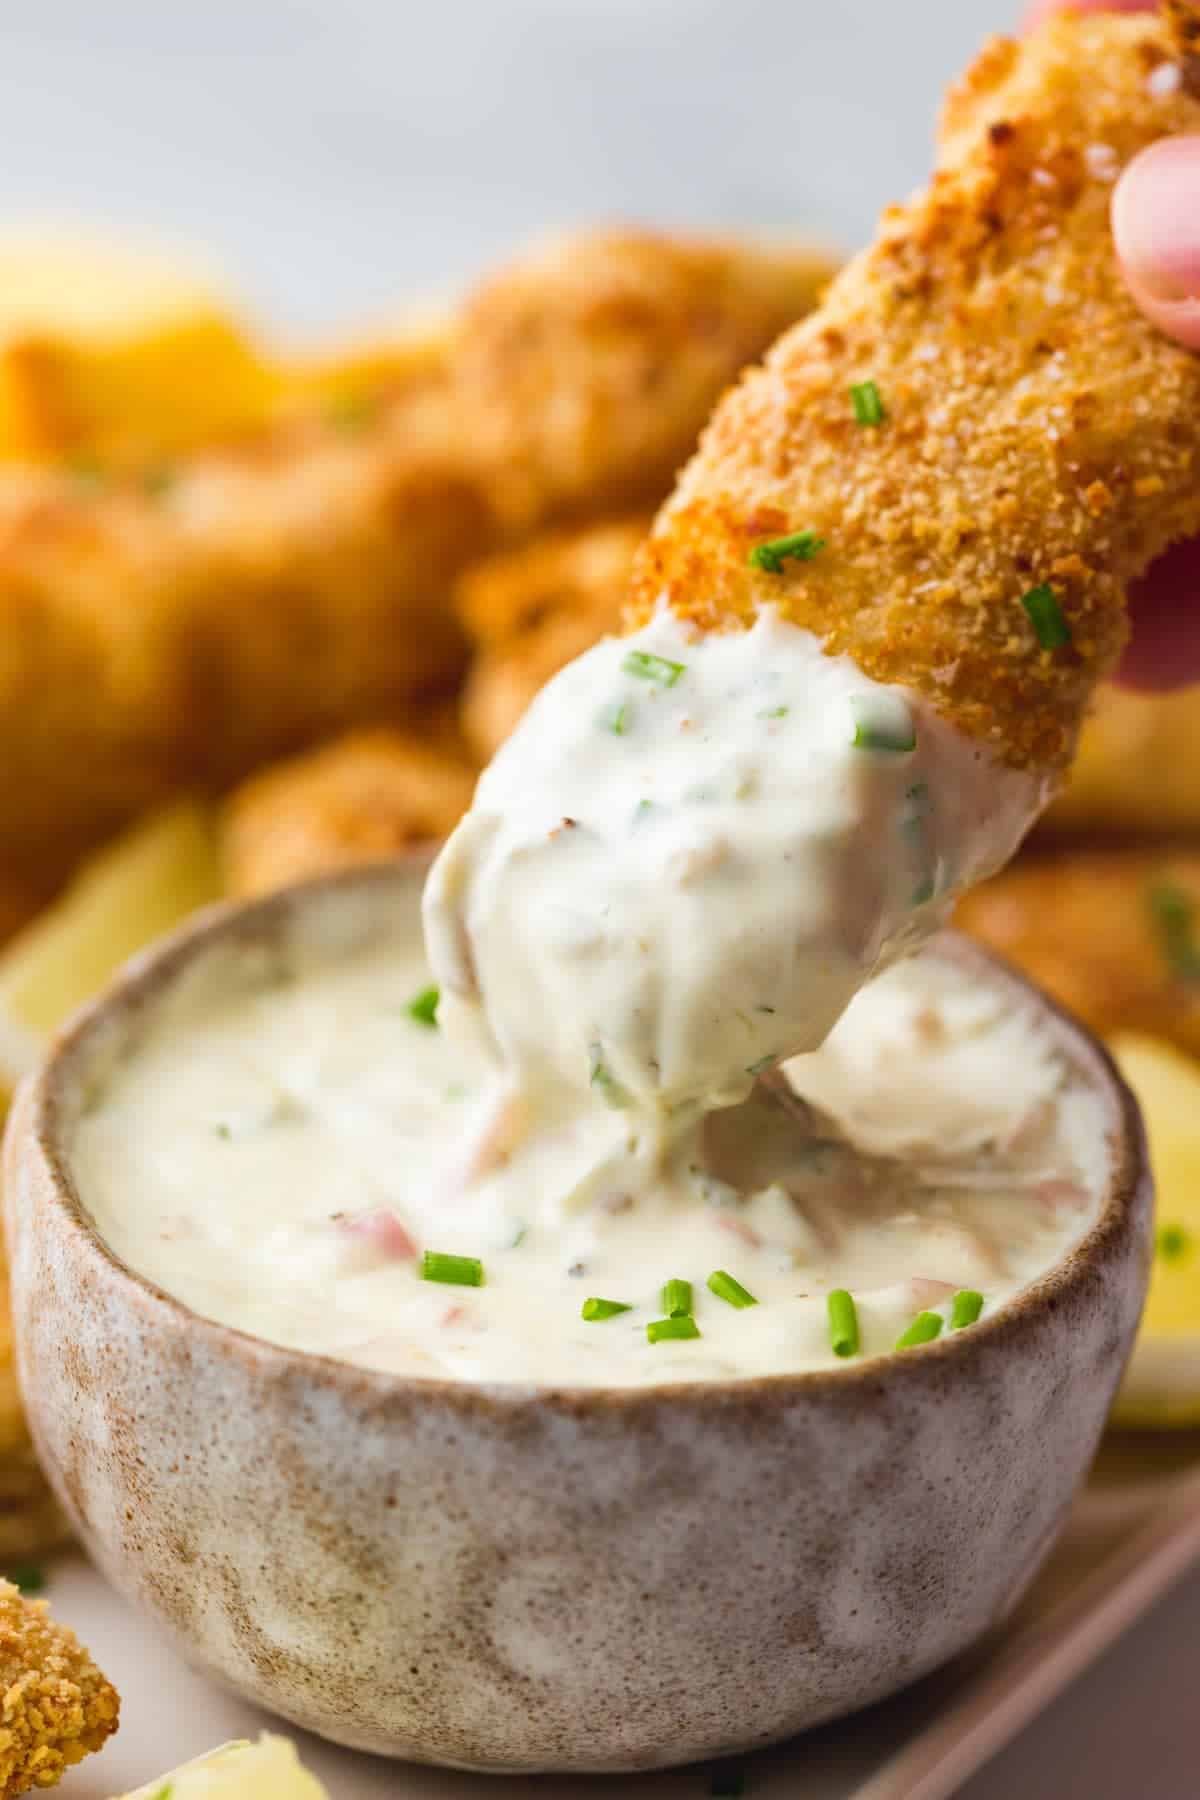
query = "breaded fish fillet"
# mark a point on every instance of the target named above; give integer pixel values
(267, 595)
(1037, 440)
(365, 796)
(55, 1705)
(1137, 773)
(585, 370)
(1113, 934)
(531, 610)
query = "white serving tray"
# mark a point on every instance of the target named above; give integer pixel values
(1134, 1531)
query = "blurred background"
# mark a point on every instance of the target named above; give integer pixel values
(333, 155)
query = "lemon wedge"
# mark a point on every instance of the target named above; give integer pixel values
(268, 1770)
(133, 891)
(1162, 1383)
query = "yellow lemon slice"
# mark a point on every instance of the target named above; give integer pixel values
(268, 1770)
(133, 891)
(1162, 1383)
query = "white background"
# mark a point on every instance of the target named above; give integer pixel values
(339, 155)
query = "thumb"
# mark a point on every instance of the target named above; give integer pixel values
(1156, 228)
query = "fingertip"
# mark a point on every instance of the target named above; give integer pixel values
(1156, 229)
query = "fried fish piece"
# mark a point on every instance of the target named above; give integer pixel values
(585, 370)
(1113, 934)
(55, 1705)
(365, 796)
(260, 597)
(1137, 773)
(1037, 444)
(532, 610)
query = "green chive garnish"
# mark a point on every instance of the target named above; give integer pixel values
(1173, 914)
(764, 1062)
(683, 1327)
(843, 1323)
(165, 1791)
(423, 1007)
(726, 1288)
(1174, 1242)
(728, 1782)
(676, 1299)
(603, 1080)
(653, 668)
(458, 1271)
(1051, 629)
(617, 719)
(595, 1310)
(28, 1577)
(924, 1328)
(868, 407)
(774, 712)
(801, 546)
(882, 722)
(966, 1308)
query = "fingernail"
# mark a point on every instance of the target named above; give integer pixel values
(1156, 221)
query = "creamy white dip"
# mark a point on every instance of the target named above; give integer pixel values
(280, 1152)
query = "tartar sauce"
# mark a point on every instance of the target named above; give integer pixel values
(284, 1143)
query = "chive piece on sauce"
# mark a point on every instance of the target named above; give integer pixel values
(676, 1299)
(763, 1063)
(1045, 615)
(965, 1309)
(601, 1077)
(457, 1271)
(883, 721)
(28, 1577)
(617, 719)
(422, 1008)
(924, 1328)
(771, 555)
(843, 1323)
(725, 1287)
(1174, 1243)
(1173, 914)
(867, 404)
(595, 1310)
(659, 1329)
(653, 668)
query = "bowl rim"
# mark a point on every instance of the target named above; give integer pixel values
(34, 1127)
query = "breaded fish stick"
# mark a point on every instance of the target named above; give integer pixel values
(55, 1705)
(978, 425)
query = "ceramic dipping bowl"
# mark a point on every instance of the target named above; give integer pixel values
(514, 1578)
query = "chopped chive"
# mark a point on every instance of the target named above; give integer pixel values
(726, 1288)
(458, 1271)
(882, 721)
(676, 1299)
(642, 808)
(223, 1130)
(1174, 1242)
(423, 1007)
(924, 1328)
(164, 1792)
(843, 1323)
(520, 1233)
(774, 712)
(653, 668)
(595, 1310)
(1173, 915)
(966, 1308)
(867, 404)
(801, 546)
(29, 1577)
(603, 1080)
(617, 719)
(683, 1327)
(1050, 628)
(764, 1062)
(727, 1782)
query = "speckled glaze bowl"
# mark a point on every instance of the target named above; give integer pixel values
(505, 1578)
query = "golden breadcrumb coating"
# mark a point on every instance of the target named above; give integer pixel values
(1038, 430)
(270, 593)
(1137, 771)
(363, 797)
(1107, 932)
(531, 611)
(55, 1705)
(585, 370)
